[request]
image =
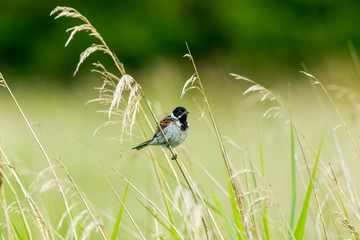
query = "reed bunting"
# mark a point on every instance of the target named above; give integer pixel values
(175, 128)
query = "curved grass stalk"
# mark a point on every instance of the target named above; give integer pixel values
(221, 144)
(344, 166)
(125, 83)
(142, 195)
(313, 186)
(2, 80)
(18, 203)
(45, 230)
(183, 172)
(131, 185)
(122, 203)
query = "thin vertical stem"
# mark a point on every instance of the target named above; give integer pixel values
(222, 147)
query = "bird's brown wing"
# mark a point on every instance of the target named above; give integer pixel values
(163, 124)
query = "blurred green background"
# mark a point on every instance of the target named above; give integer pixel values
(255, 38)
(264, 40)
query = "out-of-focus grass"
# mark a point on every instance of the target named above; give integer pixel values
(68, 126)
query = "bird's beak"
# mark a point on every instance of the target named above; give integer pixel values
(184, 113)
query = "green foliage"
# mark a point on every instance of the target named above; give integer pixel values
(221, 211)
(118, 219)
(293, 176)
(300, 228)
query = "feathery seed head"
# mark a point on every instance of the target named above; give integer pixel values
(74, 30)
(112, 90)
(2, 81)
(188, 56)
(190, 82)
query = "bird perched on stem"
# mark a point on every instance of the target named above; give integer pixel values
(175, 128)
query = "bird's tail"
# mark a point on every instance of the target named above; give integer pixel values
(142, 145)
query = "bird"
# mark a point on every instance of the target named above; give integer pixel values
(175, 128)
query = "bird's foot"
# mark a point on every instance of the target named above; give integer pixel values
(174, 157)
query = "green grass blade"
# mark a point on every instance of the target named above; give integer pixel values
(237, 217)
(16, 231)
(221, 211)
(118, 219)
(156, 217)
(264, 215)
(293, 175)
(170, 219)
(300, 228)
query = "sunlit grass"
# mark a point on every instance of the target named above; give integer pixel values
(255, 165)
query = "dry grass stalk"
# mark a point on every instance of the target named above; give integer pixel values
(343, 163)
(345, 218)
(99, 225)
(5, 211)
(1, 175)
(187, 177)
(121, 202)
(19, 205)
(113, 88)
(264, 94)
(350, 227)
(46, 231)
(4, 83)
(141, 194)
(313, 187)
(234, 186)
(317, 82)
(136, 93)
(126, 82)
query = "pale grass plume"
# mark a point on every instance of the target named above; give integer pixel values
(188, 56)
(191, 210)
(122, 94)
(349, 226)
(274, 112)
(42, 173)
(88, 229)
(85, 54)
(264, 94)
(312, 77)
(116, 98)
(67, 12)
(76, 29)
(194, 83)
(19, 207)
(81, 218)
(221, 145)
(64, 215)
(189, 84)
(344, 165)
(42, 225)
(352, 96)
(125, 83)
(2, 81)
(73, 13)
(51, 184)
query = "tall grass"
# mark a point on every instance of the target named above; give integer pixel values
(189, 202)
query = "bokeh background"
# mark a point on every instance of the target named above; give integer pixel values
(267, 41)
(258, 38)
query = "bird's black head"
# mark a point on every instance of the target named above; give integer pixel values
(180, 113)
